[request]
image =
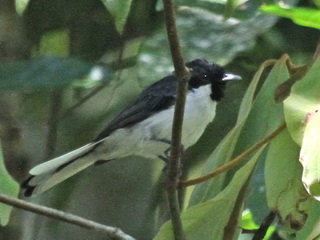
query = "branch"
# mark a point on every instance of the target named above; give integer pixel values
(99, 88)
(236, 160)
(83, 100)
(182, 75)
(114, 233)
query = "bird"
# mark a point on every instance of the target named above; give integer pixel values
(143, 128)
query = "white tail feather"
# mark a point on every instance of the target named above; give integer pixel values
(50, 173)
(56, 162)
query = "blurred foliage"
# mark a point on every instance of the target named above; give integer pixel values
(248, 223)
(67, 67)
(303, 16)
(9, 187)
(42, 73)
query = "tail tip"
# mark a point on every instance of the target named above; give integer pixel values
(28, 189)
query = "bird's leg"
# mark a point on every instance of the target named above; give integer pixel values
(166, 154)
(164, 157)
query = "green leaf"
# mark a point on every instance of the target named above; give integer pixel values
(311, 230)
(302, 16)
(247, 100)
(266, 115)
(304, 98)
(285, 192)
(9, 187)
(120, 11)
(42, 73)
(208, 219)
(310, 154)
(55, 43)
(258, 120)
(247, 221)
(224, 150)
(317, 3)
(264, 118)
(21, 6)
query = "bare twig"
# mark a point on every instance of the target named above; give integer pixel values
(83, 100)
(96, 90)
(236, 160)
(112, 232)
(182, 75)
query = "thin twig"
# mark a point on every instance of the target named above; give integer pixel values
(182, 75)
(83, 100)
(99, 88)
(234, 161)
(112, 232)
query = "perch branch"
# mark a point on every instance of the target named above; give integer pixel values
(114, 233)
(182, 75)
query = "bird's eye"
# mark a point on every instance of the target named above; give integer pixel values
(205, 75)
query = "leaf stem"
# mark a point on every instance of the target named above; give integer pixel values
(234, 161)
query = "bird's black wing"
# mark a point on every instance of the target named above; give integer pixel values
(156, 97)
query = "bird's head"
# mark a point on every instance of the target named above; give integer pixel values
(204, 73)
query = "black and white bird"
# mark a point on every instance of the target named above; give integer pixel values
(144, 128)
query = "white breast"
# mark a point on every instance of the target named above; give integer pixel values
(199, 112)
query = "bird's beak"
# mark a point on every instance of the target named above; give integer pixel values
(229, 77)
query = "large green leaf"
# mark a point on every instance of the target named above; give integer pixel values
(264, 118)
(304, 98)
(285, 192)
(302, 117)
(257, 120)
(208, 219)
(310, 154)
(303, 16)
(9, 187)
(266, 115)
(311, 230)
(42, 73)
